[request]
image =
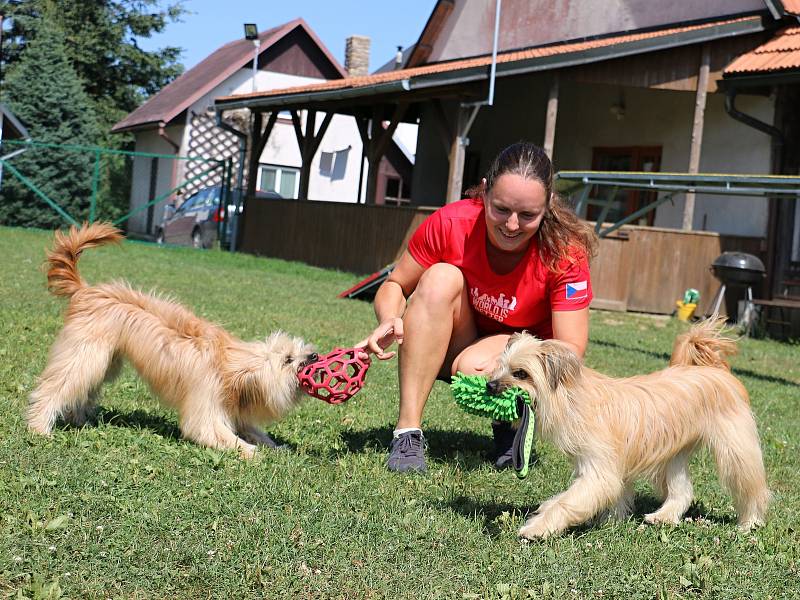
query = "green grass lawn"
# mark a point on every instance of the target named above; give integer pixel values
(127, 509)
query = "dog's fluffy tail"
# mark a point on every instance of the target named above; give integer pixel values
(63, 278)
(704, 345)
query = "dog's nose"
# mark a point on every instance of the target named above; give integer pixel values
(492, 388)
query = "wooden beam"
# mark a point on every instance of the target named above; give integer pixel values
(550, 119)
(379, 139)
(298, 130)
(385, 135)
(306, 154)
(309, 144)
(442, 124)
(252, 159)
(317, 139)
(455, 175)
(697, 131)
(273, 117)
(259, 139)
(363, 130)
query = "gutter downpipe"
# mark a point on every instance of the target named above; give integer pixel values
(460, 141)
(777, 159)
(463, 139)
(239, 176)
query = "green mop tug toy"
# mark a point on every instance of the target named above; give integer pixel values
(470, 394)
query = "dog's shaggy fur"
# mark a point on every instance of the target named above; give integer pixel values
(619, 430)
(221, 386)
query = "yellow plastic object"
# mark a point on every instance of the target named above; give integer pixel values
(685, 310)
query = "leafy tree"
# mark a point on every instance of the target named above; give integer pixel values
(100, 42)
(47, 95)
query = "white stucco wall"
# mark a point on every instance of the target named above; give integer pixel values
(664, 118)
(652, 118)
(281, 149)
(149, 141)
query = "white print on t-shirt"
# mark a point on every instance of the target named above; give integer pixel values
(494, 308)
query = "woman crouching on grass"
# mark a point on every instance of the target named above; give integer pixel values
(509, 257)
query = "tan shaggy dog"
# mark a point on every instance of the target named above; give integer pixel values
(619, 430)
(222, 387)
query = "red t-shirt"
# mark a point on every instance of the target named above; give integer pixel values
(522, 299)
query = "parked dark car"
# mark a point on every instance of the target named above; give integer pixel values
(196, 221)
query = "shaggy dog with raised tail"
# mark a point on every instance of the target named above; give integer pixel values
(223, 388)
(648, 426)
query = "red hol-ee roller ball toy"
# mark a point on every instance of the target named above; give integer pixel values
(335, 377)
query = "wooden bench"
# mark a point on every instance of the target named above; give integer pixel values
(778, 311)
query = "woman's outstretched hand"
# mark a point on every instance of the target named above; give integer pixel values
(388, 332)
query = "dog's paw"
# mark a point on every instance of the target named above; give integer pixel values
(247, 451)
(535, 529)
(661, 518)
(78, 416)
(750, 524)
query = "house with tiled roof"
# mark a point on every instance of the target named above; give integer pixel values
(678, 87)
(180, 121)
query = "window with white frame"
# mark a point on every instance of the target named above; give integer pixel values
(796, 234)
(284, 180)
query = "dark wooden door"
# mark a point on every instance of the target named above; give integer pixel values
(624, 202)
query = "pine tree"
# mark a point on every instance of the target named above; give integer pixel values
(100, 42)
(46, 94)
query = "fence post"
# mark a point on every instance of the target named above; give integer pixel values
(95, 183)
(222, 208)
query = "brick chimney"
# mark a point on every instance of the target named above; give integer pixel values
(356, 55)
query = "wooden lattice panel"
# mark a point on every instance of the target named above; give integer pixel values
(206, 140)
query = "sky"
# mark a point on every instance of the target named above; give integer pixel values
(210, 24)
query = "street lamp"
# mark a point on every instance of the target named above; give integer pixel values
(251, 33)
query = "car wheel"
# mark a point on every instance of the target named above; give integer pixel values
(197, 239)
(160, 237)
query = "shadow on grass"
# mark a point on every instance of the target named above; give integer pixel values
(140, 419)
(469, 449)
(665, 357)
(490, 512)
(137, 419)
(493, 517)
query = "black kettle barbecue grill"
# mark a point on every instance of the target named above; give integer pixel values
(736, 269)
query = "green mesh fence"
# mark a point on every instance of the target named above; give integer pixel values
(51, 185)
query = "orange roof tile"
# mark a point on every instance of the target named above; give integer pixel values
(504, 57)
(215, 68)
(780, 53)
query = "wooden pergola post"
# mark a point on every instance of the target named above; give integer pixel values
(308, 141)
(258, 140)
(697, 131)
(550, 119)
(376, 139)
(455, 174)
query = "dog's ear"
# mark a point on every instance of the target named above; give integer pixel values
(562, 367)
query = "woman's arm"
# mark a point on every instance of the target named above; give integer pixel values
(389, 305)
(572, 328)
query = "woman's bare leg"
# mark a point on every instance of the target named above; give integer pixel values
(480, 357)
(438, 325)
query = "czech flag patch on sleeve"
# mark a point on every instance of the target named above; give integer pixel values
(577, 290)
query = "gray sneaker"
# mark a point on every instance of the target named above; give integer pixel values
(407, 453)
